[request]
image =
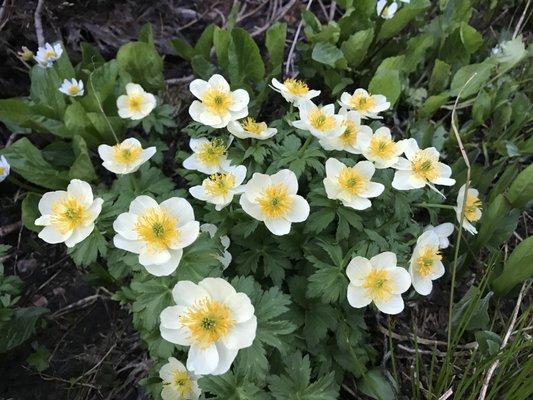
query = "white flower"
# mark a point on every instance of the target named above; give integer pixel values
(377, 280)
(157, 232)
(4, 168)
(226, 258)
(425, 265)
(472, 206)
(351, 185)
(68, 216)
(442, 231)
(48, 54)
(178, 383)
(209, 157)
(249, 128)
(369, 106)
(322, 122)
(380, 148)
(273, 200)
(72, 88)
(421, 168)
(219, 188)
(136, 103)
(349, 139)
(384, 11)
(124, 157)
(213, 319)
(217, 104)
(293, 90)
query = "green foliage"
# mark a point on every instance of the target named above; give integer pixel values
(518, 268)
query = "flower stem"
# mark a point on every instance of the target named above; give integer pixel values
(305, 145)
(433, 205)
(135, 182)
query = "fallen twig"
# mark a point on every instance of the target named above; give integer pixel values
(38, 23)
(293, 45)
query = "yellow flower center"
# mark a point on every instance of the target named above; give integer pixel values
(182, 383)
(217, 101)
(379, 284)
(134, 102)
(157, 228)
(425, 260)
(275, 201)
(49, 54)
(351, 180)
(211, 153)
(251, 126)
(424, 165)
(360, 102)
(321, 121)
(73, 89)
(382, 147)
(473, 204)
(126, 153)
(296, 87)
(219, 184)
(208, 321)
(2, 170)
(68, 213)
(349, 136)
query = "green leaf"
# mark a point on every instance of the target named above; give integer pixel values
(221, 41)
(432, 104)
(142, 62)
(416, 51)
(471, 312)
(90, 57)
(20, 327)
(183, 49)
(329, 54)
(146, 34)
(30, 211)
(151, 297)
(205, 42)
(245, 63)
(400, 20)
(482, 74)
(328, 282)
(63, 66)
(356, 46)
(40, 359)
(99, 86)
(497, 223)
(521, 190)
(86, 252)
(275, 44)
(44, 90)
(470, 38)
(518, 268)
(15, 111)
(440, 76)
(482, 107)
(375, 385)
(231, 387)
(320, 220)
(83, 167)
(201, 67)
(387, 83)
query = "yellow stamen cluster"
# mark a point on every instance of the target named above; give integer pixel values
(349, 136)
(49, 54)
(424, 165)
(296, 87)
(379, 284)
(208, 321)
(425, 260)
(217, 101)
(126, 153)
(321, 121)
(251, 126)
(362, 103)
(275, 201)
(134, 102)
(181, 382)
(352, 181)
(211, 153)
(68, 213)
(2, 170)
(157, 229)
(473, 204)
(73, 89)
(219, 184)
(382, 147)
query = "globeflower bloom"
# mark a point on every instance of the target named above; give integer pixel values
(380, 148)
(48, 54)
(442, 231)
(384, 11)
(217, 105)
(220, 188)
(157, 232)
(4, 168)
(213, 319)
(472, 206)
(125, 157)
(421, 168)
(72, 88)
(350, 139)
(136, 103)
(250, 129)
(68, 216)
(178, 383)
(351, 185)
(377, 280)
(273, 200)
(367, 105)
(294, 91)
(425, 265)
(209, 156)
(321, 122)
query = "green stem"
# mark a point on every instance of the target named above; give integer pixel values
(135, 182)
(433, 205)
(24, 185)
(305, 145)
(391, 347)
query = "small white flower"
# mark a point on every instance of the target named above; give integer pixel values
(124, 157)
(46, 55)
(349, 139)
(377, 280)
(351, 185)
(384, 11)
(472, 206)
(157, 232)
(209, 156)
(425, 265)
(367, 105)
(217, 105)
(72, 88)
(294, 91)
(442, 231)
(381, 149)
(273, 200)
(322, 122)
(220, 188)
(178, 383)
(421, 168)
(4, 168)
(213, 319)
(225, 259)
(68, 216)
(249, 128)
(136, 103)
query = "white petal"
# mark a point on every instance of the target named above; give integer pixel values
(366, 168)
(288, 178)
(386, 259)
(187, 293)
(198, 87)
(402, 280)
(300, 209)
(142, 203)
(154, 257)
(48, 199)
(195, 110)
(225, 359)
(218, 288)
(133, 246)
(241, 335)
(393, 305)
(81, 190)
(423, 286)
(188, 233)
(78, 235)
(250, 208)
(334, 167)
(50, 235)
(168, 267)
(357, 269)
(241, 98)
(358, 296)
(179, 208)
(125, 226)
(241, 307)
(202, 361)
(219, 82)
(278, 226)
(357, 203)
(373, 189)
